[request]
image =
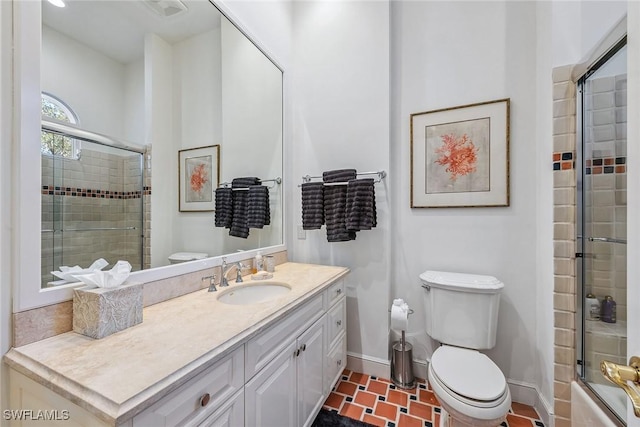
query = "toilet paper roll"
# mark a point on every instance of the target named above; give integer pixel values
(399, 315)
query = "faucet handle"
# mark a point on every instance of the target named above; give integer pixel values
(239, 267)
(212, 282)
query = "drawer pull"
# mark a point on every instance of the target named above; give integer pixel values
(339, 291)
(339, 322)
(339, 362)
(204, 400)
(304, 347)
(297, 352)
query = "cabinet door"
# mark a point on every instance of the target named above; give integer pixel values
(311, 362)
(230, 415)
(336, 362)
(270, 397)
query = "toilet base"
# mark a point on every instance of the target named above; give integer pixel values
(452, 418)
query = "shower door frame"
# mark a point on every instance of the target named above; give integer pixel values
(580, 232)
(65, 129)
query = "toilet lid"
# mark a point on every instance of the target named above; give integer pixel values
(468, 373)
(187, 256)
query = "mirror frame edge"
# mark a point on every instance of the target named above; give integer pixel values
(27, 291)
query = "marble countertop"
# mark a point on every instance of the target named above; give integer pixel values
(119, 376)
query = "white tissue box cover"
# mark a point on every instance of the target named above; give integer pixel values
(99, 312)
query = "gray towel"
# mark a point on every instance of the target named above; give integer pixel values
(361, 205)
(258, 207)
(312, 205)
(224, 207)
(339, 175)
(335, 203)
(240, 222)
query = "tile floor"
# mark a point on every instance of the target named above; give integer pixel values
(377, 401)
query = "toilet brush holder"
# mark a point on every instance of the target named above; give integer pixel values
(402, 364)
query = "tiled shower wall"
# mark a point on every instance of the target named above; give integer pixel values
(605, 207)
(564, 241)
(97, 191)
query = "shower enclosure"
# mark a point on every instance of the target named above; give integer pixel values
(92, 201)
(602, 216)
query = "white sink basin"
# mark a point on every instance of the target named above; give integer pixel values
(253, 293)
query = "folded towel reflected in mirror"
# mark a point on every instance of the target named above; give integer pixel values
(243, 206)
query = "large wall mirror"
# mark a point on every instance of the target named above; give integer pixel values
(164, 81)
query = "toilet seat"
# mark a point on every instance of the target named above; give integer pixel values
(187, 256)
(469, 382)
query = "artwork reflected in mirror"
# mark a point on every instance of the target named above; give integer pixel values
(158, 82)
(199, 173)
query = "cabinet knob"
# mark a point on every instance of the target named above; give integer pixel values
(339, 362)
(339, 291)
(338, 322)
(297, 352)
(204, 400)
(304, 347)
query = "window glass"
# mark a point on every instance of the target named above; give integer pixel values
(52, 143)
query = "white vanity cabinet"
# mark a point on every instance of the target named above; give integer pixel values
(336, 358)
(297, 375)
(198, 399)
(288, 390)
(279, 374)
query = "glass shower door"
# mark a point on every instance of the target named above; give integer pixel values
(92, 207)
(602, 224)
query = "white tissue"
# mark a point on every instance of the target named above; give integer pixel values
(69, 273)
(399, 315)
(107, 279)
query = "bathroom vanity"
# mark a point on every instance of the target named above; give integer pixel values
(195, 360)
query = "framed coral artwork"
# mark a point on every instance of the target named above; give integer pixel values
(198, 177)
(460, 156)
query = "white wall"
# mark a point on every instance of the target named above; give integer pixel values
(251, 128)
(340, 119)
(133, 124)
(198, 122)
(436, 70)
(544, 210)
(160, 132)
(6, 255)
(92, 84)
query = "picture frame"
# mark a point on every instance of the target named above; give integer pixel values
(198, 177)
(460, 156)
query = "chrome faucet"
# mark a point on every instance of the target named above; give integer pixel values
(225, 270)
(212, 282)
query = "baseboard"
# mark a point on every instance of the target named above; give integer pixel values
(529, 394)
(381, 367)
(368, 365)
(521, 392)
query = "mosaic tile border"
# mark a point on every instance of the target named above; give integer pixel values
(604, 165)
(51, 190)
(563, 161)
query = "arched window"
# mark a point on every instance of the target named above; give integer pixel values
(54, 144)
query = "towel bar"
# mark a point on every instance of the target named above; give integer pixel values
(381, 175)
(276, 181)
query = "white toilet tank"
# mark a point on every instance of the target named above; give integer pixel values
(462, 309)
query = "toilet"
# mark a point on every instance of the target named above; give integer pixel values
(179, 257)
(462, 314)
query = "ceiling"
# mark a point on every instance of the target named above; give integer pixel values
(117, 27)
